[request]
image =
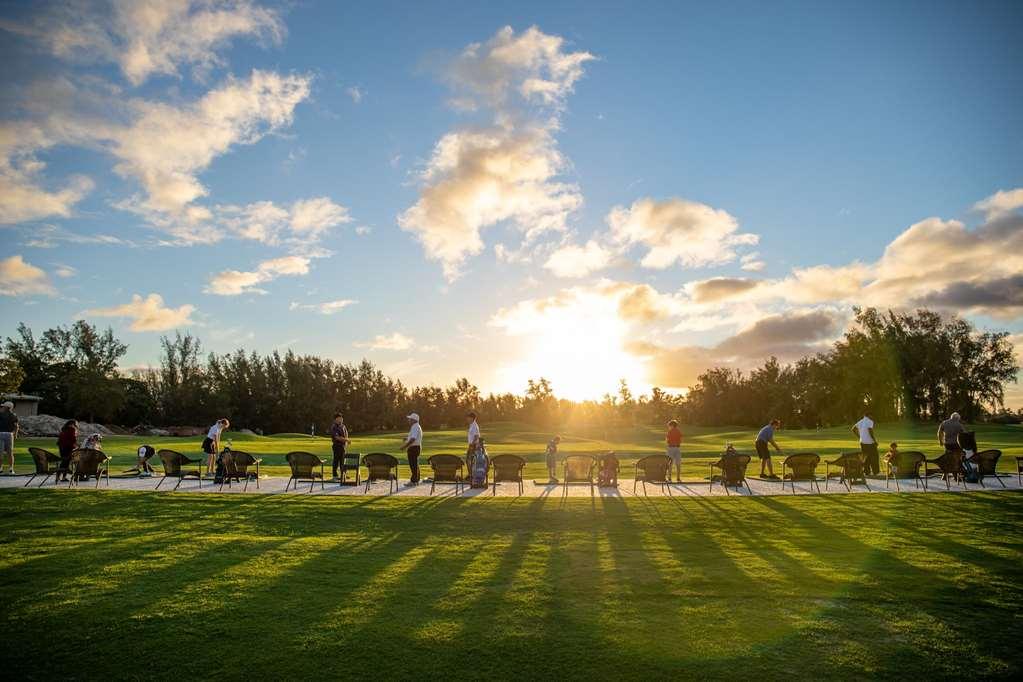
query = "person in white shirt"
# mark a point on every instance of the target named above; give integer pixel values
(211, 444)
(474, 437)
(864, 429)
(413, 446)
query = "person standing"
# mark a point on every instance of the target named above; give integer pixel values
(674, 440)
(764, 438)
(473, 435)
(338, 442)
(413, 446)
(8, 432)
(552, 458)
(211, 444)
(67, 441)
(864, 429)
(948, 433)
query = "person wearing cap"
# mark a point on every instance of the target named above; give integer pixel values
(8, 432)
(413, 446)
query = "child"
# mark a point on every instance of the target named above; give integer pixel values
(892, 455)
(94, 442)
(607, 474)
(552, 459)
(479, 466)
(142, 465)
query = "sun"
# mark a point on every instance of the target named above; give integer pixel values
(579, 348)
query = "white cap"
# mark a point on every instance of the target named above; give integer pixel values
(414, 417)
(8, 403)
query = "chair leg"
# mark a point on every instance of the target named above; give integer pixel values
(162, 479)
(28, 481)
(178, 483)
(48, 478)
(433, 484)
(286, 487)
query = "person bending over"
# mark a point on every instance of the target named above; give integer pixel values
(211, 444)
(765, 438)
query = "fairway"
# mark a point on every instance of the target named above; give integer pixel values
(176, 586)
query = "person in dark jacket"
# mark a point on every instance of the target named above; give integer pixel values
(67, 441)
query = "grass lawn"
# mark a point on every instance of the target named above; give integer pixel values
(129, 585)
(700, 446)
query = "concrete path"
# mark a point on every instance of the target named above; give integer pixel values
(694, 488)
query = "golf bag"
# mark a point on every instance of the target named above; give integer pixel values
(478, 467)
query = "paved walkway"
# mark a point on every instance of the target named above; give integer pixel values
(695, 488)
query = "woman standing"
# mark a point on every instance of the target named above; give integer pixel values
(67, 441)
(211, 445)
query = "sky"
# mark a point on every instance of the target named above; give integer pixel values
(582, 191)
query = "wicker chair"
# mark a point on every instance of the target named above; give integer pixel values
(88, 463)
(303, 468)
(47, 464)
(507, 469)
(907, 464)
(447, 469)
(733, 472)
(653, 469)
(381, 467)
(241, 466)
(987, 465)
(949, 466)
(850, 470)
(801, 466)
(177, 465)
(578, 469)
(351, 462)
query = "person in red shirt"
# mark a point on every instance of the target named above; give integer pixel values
(674, 441)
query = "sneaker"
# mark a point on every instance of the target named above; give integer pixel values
(411, 484)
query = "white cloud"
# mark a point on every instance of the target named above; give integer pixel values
(355, 92)
(150, 37)
(236, 282)
(751, 262)
(572, 260)
(508, 171)
(1001, 202)
(363, 230)
(20, 278)
(22, 198)
(302, 222)
(147, 314)
(325, 308)
(64, 271)
(50, 236)
(312, 217)
(396, 341)
(678, 231)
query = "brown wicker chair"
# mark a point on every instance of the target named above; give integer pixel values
(241, 466)
(381, 467)
(177, 465)
(507, 469)
(801, 466)
(47, 464)
(987, 465)
(906, 465)
(850, 470)
(578, 469)
(447, 469)
(303, 468)
(351, 462)
(733, 472)
(653, 469)
(948, 466)
(87, 463)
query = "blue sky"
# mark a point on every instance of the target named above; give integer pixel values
(735, 170)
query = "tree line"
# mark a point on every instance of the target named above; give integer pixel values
(899, 365)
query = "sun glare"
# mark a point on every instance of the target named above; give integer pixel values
(578, 347)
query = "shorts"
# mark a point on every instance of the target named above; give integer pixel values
(207, 447)
(675, 453)
(762, 450)
(552, 460)
(7, 442)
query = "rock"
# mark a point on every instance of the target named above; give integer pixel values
(42, 425)
(246, 432)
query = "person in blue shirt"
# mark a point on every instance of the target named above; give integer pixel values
(764, 438)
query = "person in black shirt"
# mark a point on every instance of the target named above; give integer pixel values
(8, 432)
(338, 442)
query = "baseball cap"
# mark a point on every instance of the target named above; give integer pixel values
(414, 417)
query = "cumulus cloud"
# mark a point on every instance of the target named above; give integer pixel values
(1001, 202)
(325, 308)
(20, 278)
(355, 92)
(509, 170)
(23, 199)
(396, 341)
(572, 260)
(751, 262)
(678, 231)
(236, 282)
(150, 37)
(147, 314)
(719, 288)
